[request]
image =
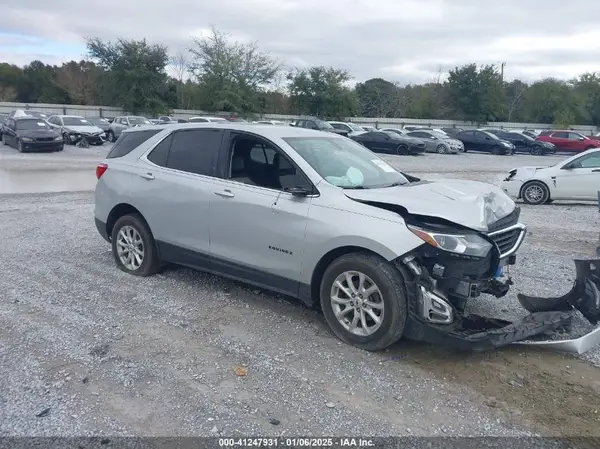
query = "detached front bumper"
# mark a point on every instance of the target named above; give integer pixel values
(512, 188)
(438, 287)
(94, 139)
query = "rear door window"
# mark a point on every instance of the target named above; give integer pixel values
(127, 142)
(195, 151)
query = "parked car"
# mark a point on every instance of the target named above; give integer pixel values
(122, 123)
(531, 133)
(368, 128)
(389, 142)
(154, 121)
(207, 119)
(324, 220)
(475, 140)
(452, 131)
(576, 178)
(101, 123)
(526, 144)
(570, 141)
(436, 142)
(28, 134)
(271, 122)
(74, 128)
(167, 120)
(318, 124)
(410, 128)
(350, 128)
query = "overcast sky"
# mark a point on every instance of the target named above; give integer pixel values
(400, 40)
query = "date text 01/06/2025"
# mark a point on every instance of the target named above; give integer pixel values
(296, 442)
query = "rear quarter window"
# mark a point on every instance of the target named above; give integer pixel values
(128, 142)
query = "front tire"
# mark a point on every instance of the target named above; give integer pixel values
(536, 150)
(495, 150)
(535, 193)
(111, 137)
(66, 140)
(372, 319)
(20, 146)
(402, 150)
(441, 149)
(133, 246)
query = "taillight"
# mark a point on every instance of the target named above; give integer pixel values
(100, 169)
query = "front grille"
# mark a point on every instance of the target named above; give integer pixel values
(44, 139)
(508, 240)
(510, 220)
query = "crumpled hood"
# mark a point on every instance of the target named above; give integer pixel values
(473, 204)
(88, 129)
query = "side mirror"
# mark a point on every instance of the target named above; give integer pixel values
(581, 138)
(298, 191)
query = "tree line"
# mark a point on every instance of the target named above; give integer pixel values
(217, 74)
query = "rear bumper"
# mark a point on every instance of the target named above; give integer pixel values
(101, 227)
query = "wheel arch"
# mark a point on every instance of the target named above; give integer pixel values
(529, 181)
(327, 259)
(119, 211)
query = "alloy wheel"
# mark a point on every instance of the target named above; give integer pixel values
(357, 303)
(130, 248)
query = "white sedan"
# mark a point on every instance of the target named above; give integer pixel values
(576, 178)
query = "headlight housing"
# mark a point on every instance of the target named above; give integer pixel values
(57, 138)
(466, 244)
(26, 139)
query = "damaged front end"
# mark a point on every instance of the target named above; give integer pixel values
(459, 264)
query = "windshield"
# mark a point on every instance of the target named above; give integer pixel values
(439, 135)
(392, 134)
(489, 134)
(32, 125)
(139, 121)
(75, 121)
(98, 121)
(355, 127)
(345, 163)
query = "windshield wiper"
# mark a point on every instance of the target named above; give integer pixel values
(354, 187)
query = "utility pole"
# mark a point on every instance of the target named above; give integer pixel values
(502, 71)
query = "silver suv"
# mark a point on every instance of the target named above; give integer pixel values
(315, 216)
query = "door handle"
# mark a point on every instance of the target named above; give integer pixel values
(148, 176)
(225, 193)
(596, 170)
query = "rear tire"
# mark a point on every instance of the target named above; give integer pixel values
(535, 193)
(386, 301)
(133, 246)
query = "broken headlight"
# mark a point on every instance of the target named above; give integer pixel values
(468, 244)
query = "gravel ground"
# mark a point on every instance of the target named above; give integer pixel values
(94, 351)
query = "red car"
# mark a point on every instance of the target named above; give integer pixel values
(569, 140)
